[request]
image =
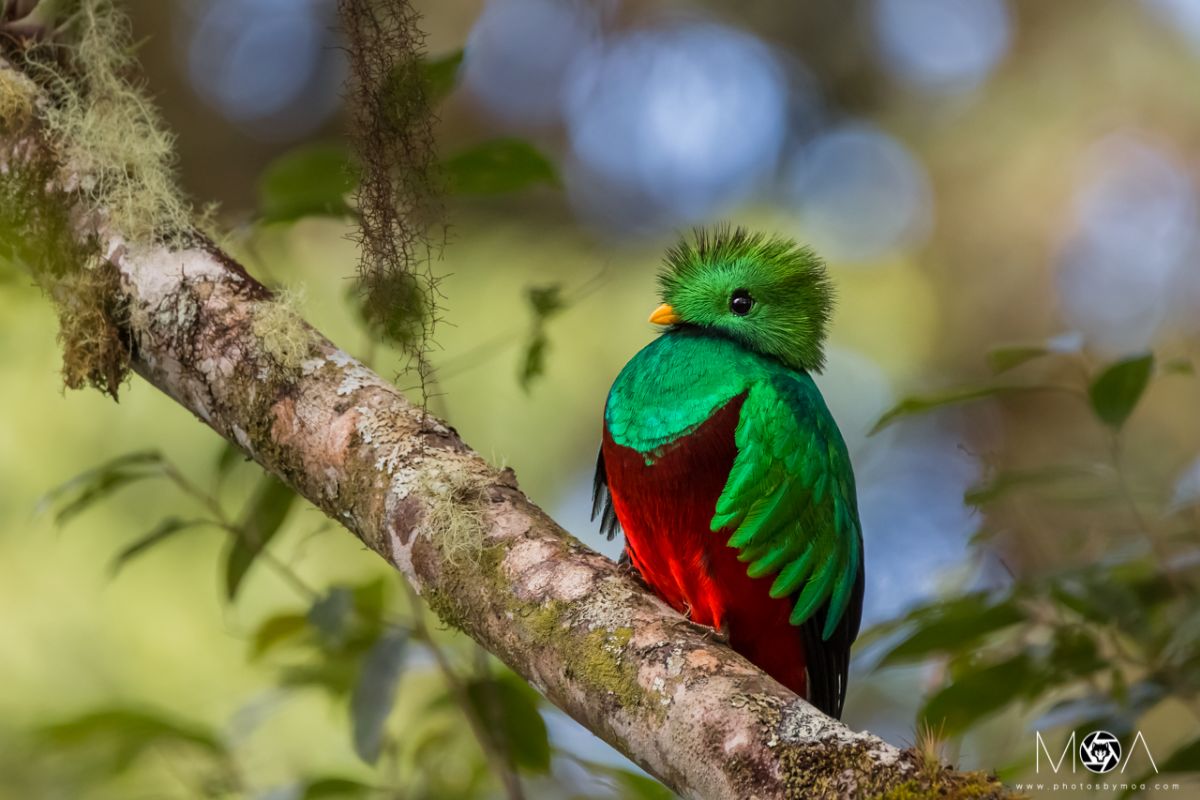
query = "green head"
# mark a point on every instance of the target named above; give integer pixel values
(768, 293)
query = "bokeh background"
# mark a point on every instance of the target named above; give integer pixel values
(976, 172)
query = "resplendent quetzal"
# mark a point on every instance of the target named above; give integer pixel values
(725, 469)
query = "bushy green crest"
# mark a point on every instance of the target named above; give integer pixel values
(790, 289)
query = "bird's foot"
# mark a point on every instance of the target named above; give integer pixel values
(720, 634)
(625, 567)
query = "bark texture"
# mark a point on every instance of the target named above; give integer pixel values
(489, 561)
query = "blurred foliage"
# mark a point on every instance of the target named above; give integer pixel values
(1098, 639)
(441, 75)
(498, 167)
(544, 302)
(351, 643)
(308, 181)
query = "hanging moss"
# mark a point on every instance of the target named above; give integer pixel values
(107, 131)
(100, 136)
(398, 196)
(396, 308)
(92, 329)
(37, 237)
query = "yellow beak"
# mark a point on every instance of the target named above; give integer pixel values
(664, 315)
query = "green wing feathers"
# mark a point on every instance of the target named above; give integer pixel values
(790, 500)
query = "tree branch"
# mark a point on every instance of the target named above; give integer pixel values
(489, 561)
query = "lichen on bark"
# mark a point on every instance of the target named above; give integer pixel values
(281, 330)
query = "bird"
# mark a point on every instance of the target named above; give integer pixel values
(724, 468)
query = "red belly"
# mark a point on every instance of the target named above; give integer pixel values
(665, 509)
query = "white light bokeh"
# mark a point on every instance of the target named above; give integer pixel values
(1125, 264)
(860, 193)
(518, 53)
(911, 479)
(942, 45)
(673, 125)
(268, 65)
(1181, 16)
(1187, 487)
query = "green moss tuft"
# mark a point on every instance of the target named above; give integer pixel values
(965, 786)
(16, 99)
(281, 331)
(600, 662)
(546, 621)
(932, 779)
(455, 517)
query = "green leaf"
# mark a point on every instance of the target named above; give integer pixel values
(275, 631)
(635, 786)
(1122, 595)
(498, 167)
(229, 457)
(335, 674)
(1064, 482)
(533, 364)
(953, 626)
(508, 708)
(98, 483)
(1185, 759)
(157, 535)
(441, 75)
(1115, 393)
(978, 693)
(341, 788)
(314, 180)
(130, 732)
(628, 784)
(1002, 359)
(375, 693)
(911, 406)
(261, 520)
(1073, 654)
(1179, 366)
(1184, 641)
(370, 601)
(544, 302)
(331, 615)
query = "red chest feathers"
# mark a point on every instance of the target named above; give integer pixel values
(665, 508)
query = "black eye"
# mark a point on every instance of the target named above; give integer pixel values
(740, 302)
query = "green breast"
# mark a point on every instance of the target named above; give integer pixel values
(675, 383)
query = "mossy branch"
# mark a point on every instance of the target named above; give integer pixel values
(192, 322)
